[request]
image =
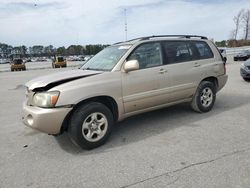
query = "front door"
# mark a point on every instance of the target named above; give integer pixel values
(141, 87)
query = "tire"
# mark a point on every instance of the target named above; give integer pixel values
(204, 98)
(90, 135)
(246, 79)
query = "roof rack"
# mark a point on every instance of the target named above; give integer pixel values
(164, 36)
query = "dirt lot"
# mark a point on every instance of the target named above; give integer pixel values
(173, 147)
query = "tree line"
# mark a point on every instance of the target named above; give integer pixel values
(240, 35)
(8, 51)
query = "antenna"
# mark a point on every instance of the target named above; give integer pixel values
(126, 25)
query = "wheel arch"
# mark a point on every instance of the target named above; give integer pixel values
(105, 100)
(212, 79)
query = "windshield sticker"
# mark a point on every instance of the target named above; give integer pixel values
(124, 47)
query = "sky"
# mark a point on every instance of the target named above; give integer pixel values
(66, 22)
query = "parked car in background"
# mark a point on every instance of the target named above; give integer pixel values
(17, 65)
(123, 80)
(223, 53)
(4, 61)
(245, 70)
(28, 60)
(41, 59)
(242, 56)
(59, 61)
(87, 57)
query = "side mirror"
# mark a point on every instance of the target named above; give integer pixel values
(131, 65)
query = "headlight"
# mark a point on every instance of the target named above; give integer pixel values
(243, 66)
(46, 99)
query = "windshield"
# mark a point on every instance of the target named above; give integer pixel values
(18, 61)
(106, 59)
(60, 59)
(246, 51)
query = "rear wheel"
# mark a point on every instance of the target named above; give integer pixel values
(204, 98)
(91, 125)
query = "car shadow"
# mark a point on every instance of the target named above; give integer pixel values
(143, 126)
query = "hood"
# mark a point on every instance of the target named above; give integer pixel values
(247, 63)
(241, 55)
(52, 80)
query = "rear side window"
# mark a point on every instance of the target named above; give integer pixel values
(204, 50)
(179, 51)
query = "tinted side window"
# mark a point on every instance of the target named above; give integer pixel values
(178, 51)
(148, 55)
(204, 50)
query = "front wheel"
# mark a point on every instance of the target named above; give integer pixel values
(204, 98)
(91, 125)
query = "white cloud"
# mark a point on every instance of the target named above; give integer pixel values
(66, 22)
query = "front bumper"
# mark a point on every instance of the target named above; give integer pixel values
(222, 80)
(17, 67)
(60, 64)
(47, 120)
(245, 73)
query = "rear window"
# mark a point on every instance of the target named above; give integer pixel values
(204, 50)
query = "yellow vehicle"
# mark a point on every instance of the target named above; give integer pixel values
(17, 64)
(59, 62)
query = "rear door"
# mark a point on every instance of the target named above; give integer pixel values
(183, 68)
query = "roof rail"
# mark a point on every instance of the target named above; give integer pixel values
(164, 36)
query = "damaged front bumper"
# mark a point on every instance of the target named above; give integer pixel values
(47, 120)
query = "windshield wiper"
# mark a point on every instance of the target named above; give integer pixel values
(95, 69)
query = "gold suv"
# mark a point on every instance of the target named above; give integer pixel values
(123, 80)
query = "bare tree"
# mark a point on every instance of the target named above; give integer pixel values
(237, 20)
(246, 23)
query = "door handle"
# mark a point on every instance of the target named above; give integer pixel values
(162, 71)
(197, 65)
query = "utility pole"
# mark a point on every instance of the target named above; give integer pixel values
(126, 25)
